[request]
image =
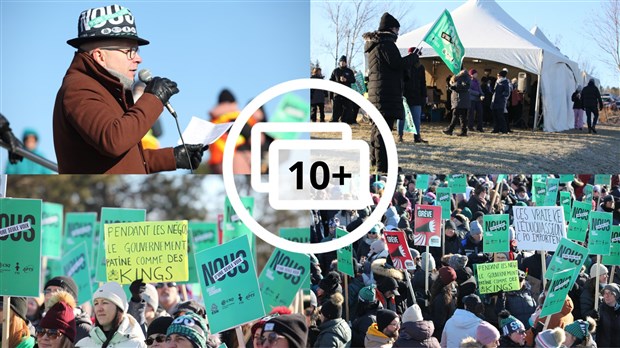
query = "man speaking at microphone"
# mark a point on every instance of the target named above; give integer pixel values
(97, 126)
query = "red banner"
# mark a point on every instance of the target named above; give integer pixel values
(427, 230)
(399, 250)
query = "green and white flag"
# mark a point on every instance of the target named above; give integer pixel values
(444, 39)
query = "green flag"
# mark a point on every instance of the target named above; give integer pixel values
(444, 39)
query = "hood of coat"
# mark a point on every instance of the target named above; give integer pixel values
(379, 267)
(338, 327)
(417, 330)
(465, 320)
(373, 38)
(128, 330)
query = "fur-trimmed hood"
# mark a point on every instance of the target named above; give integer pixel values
(379, 267)
(372, 38)
(60, 296)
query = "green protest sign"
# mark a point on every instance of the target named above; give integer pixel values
(496, 233)
(539, 189)
(551, 191)
(421, 182)
(565, 178)
(578, 223)
(155, 251)
(53, 269)
(79, 227)
(560, 284)
(565, 203)
(588, 193)
(568, 255)
(51, 229)
(283, 275)
(500, 178)
(75, 264)
(602, 179)
(233, 226)
(457, 183)
(614, 249)
(296, 234)
(345, 255)
(497, 276)
(291, 108)
(444, 199)
(113, 216)
(20, 247)
(599, 238)
(229, 284)
(204, 234)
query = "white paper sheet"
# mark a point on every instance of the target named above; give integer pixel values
(200, 131)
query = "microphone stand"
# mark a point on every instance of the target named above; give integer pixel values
(33, 157)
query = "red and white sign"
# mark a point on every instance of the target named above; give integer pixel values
(427, 230)
(399, 250)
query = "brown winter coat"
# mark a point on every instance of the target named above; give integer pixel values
(560, 319)
(97, 128)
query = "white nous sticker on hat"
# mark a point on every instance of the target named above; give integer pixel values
(307, 173)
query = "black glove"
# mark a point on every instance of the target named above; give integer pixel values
(7, 136)
(162, 88)
(136, 288)
(195, 155)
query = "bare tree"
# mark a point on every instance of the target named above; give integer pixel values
(348, 20)
(603, 28)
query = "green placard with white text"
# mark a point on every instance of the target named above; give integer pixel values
(421, 182)
(457, 183)
(233, 226)
(204, 234)
(539, 189)
(614, 251)
(20, 247)
(79, 227)
(345, 255)
(296, 234)
(602, 179)
(113, 216)
(559, 286)
(588, 193)
(51, 230)
(565, 203)
(567, 255)
(229, 284)
(444, 199)
(283, 275)
(496, 233)
(599, 239)
(578, 223)
(566, 178)
(75, 264)
(551, 192)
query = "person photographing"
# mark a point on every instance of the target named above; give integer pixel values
(97, 125)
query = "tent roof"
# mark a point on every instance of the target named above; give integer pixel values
(540, 35)
(488, 32)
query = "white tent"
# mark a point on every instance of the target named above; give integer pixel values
(488, 33)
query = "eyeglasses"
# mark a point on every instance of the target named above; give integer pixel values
(169, 284)
(51, 333)
(271, 338)
(159, 339)
(129, 52)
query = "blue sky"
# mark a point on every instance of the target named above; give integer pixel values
(562, 21)
(246, 46)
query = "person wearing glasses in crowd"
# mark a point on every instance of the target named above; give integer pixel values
(168, 296)
(64, 283)
(97, 126)
(156, 334)
(284, 331)
(58, 327)
(384, 332)
(113, 326)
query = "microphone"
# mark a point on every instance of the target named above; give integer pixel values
(145, 76)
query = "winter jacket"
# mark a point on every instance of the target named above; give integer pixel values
(461, 325)
(440, 312)
(500, 96)
(136, 310)
(415, 83)
(98, 128)
(475, 205)
(377, 339)
(587, 297)
(519, 303)
(334, 333)
(128, 335)
(349, 76)
(505, 341)
(474, 90)
(608, 329)
(385, 73)
(577, 101)
(360, 325)
(363, 248)
(460, 91)
(83, 324)
(591, 96)
(560, 319)
(417, 334)
(27, 342)
(473, 251)
(317, 96)
(465, 283)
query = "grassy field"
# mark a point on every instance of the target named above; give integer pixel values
(523, 151)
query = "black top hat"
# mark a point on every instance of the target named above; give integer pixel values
(108, 22)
